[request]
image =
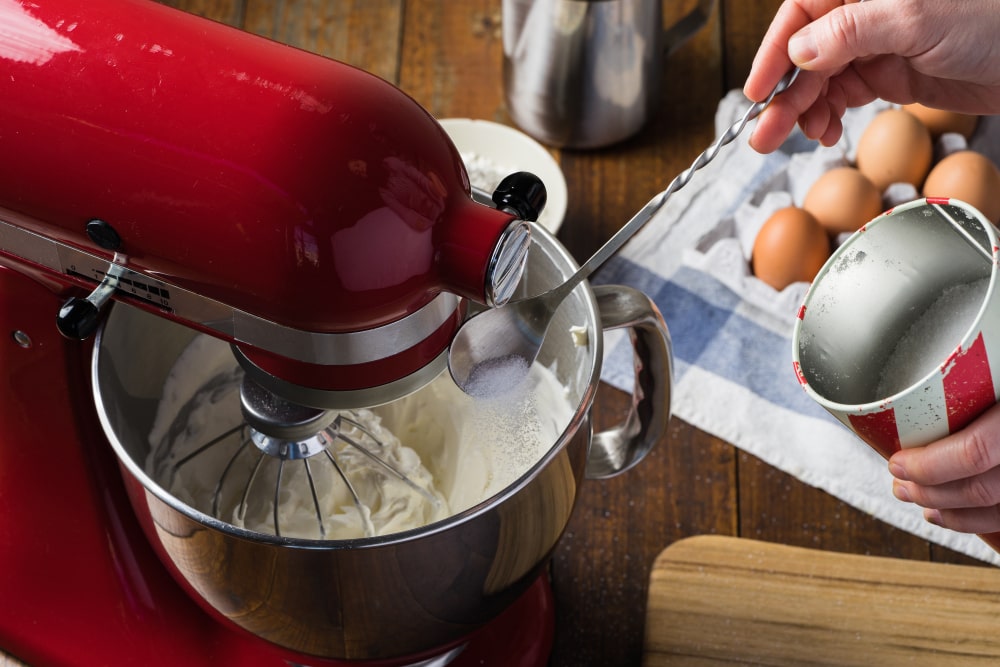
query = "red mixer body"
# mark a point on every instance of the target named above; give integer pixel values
(305, 192)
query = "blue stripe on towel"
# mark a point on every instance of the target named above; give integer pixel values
(707, 333)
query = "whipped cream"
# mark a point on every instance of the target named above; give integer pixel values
(455, 451)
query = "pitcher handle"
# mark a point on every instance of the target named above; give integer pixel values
(675, 36)
(619, 448)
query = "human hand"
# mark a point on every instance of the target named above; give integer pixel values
(956, 479)
(940, 54)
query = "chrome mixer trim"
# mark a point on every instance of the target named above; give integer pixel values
(328, 349)
(507, 264)
(483, 197)
(342, 349)
(347, 399)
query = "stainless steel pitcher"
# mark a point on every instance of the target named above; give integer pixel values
(584, 73)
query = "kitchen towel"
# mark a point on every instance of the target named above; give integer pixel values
(731, 333)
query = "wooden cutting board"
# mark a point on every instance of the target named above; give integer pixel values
(725, 600)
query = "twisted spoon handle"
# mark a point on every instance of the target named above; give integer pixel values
(642, 217)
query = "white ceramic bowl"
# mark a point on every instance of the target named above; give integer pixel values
(492, 150)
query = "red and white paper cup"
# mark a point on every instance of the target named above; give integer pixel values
(899, 334)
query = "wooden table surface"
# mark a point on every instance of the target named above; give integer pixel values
(447, 55)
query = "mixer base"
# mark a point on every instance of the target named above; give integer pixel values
(81, 585)
(521, 636)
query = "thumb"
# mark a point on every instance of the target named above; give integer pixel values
(843, 35)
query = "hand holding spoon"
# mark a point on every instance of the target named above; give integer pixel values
(493, 350)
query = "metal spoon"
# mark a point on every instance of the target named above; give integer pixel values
(493, 350)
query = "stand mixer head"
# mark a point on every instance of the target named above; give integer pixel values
(308, 212)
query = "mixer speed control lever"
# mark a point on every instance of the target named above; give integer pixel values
(78, 318)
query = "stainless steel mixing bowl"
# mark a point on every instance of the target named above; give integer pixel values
(409, 592)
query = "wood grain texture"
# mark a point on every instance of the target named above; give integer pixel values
(364, 33)
(720, 600)
(744, 26)
(600, 568)
(777, 507)
(231, 12)
(453, 57)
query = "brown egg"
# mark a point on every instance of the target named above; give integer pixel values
(895, 148)
(939, 122)
(842, 200)
(791, 246)
(969, 176)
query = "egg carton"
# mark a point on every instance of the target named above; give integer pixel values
(765, 184)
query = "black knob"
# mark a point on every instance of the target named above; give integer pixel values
(521, 193)
(104, 235)
(78, 318)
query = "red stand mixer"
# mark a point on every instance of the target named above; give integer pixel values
(317, 219)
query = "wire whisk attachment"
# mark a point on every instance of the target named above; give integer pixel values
(324, 483)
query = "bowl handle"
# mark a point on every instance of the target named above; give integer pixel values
(619, 448)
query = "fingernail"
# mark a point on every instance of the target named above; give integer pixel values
(802, 47)
(900, 492)
(933, 516)
(897, 470)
